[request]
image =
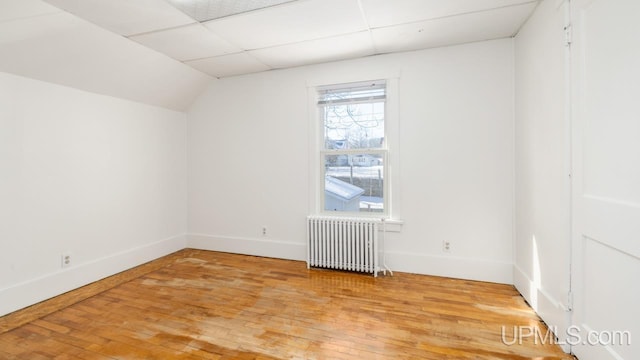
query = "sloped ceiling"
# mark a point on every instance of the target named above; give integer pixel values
(164, 52)
(40, 41)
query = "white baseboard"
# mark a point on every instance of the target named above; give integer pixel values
(249, 246)
(552, 310)
(36, 290)
(463, 268)
(33, 291)
(454, 267)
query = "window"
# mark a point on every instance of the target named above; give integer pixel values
(353, 150)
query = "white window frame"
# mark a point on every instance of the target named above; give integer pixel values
(390, 149)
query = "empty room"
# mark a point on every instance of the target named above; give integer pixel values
(319, 179)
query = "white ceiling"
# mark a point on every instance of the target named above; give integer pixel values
(40, 41)
(126, 47)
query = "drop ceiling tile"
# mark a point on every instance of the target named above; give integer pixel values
(204, 10)
(291, 22)
(18, 9)
(126, 17)
(187, 42)
(382, 13)
(228, 65)
(317, 51)
(486, 25)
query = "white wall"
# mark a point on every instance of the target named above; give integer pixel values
(95, 176)
(248, 160)
(541, 269)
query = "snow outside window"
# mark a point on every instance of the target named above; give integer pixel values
(353, 150)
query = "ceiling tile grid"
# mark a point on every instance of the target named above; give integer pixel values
(126, 17)
(188, 42)
(205, 10)
(229, 37)
(465, 28)
(167, 40)
(339, 47)
(229, 65)
(297, 21)
(383, 13)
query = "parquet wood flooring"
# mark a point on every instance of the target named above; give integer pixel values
(211, 305)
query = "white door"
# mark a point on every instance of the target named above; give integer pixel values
(606, 179)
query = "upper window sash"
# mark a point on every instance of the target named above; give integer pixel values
(362, 92)
(353, 115)
(352, 101)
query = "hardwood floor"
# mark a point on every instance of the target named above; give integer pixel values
(208, 305)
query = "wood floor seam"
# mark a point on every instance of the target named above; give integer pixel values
(197, 304)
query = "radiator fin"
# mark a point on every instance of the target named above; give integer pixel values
(343, 243)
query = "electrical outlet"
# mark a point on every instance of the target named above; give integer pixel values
(65, 260)
(446, 246)
(264, 231)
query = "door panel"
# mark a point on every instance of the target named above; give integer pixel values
(606, 171)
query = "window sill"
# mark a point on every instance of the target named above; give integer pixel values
(393, 225)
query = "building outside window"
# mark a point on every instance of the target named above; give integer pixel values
(353, 148)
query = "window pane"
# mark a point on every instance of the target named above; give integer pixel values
(354, 183)
(354, 126)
